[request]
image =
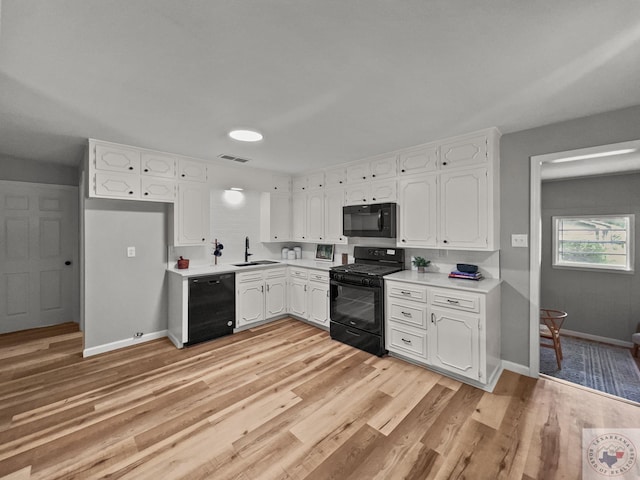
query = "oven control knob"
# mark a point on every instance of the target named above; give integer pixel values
(366, 282)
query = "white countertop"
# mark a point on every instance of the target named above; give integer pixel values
(224, 268)
(443, 280)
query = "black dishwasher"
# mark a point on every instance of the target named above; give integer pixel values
(212, 307)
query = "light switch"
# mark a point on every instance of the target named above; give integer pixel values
(131, 251)
(519, 240)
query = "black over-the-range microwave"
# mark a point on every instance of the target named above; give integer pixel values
(376, 220)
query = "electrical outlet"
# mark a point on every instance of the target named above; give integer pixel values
(519, 240)
(131, 251)
(138, 335)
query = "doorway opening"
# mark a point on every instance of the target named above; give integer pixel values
(577, 263)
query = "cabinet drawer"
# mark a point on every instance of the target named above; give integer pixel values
(298, 273)
(248, 277)
(404, 312)
(275, 273)
(407, 290)
(321, 277)
(458, 300)
(407, 341)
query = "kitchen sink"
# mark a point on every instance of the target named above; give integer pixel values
(257, 262)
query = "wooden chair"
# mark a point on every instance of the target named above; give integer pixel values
(550, 324)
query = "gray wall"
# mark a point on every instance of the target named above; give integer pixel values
(20, 170)
(515, 152)
(599, 303)
(124, 295)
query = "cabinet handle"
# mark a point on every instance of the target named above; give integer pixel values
(403, 240)
(445, 241)
(364, 178)
(267, 288)
(455, 302)
(320, 185)
(405, 293)
(406, 341)
(262, 288)
(146, 169)
(444, 163)
(130, 168)
(305, 288)
(406, 314)
(275, 188)
(146, 193)
(403, 170)
(183, 175)
(130, 193)
(340, 181)
(433, 318)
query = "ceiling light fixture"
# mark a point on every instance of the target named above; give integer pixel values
(236, 189)
(594, 155)
(246, 135)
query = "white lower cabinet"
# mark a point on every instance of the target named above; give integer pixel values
(309, 295)
(455, 332)
(260, 295)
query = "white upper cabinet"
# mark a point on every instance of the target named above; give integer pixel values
(315, 217)
(158, 165)
(383, 191)
(333, 203)
(418, 160)
(315, 181)
(335, 177)
(191, 215)
(464, 152)
(299, 216)
(116, 158)
(280, 184)
(116, 185)
(464, 209)
(158, 189)
(300, 184)
(275, 217)
(192, 170)
(358, 173)
(417, 211)
(358, 194)
(384, 167)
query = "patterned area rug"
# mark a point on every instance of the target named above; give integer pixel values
(595, 365)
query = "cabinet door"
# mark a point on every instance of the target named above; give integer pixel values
(419, 160)
(358, 173)
(333, 203)
(192, 214)
(300, 184)
(117, 186)
(276, 297)
(114, 158)
(280, 218)
(158, 189)
(454, 342)
(315, 216)
(417, 197)
(157, 165)
(299, 217)
(298, 298)
(335, 177)
(358, 194)
(315, 181)
(384, 167)
(383, 191)
(249, 303)
(318, 303)
(463, 209)
(464, 153)
(192, 170)
(280, 184)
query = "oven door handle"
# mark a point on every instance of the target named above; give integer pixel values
(380, 220)
(352, 333)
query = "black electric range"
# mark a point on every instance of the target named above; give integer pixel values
(357, 297)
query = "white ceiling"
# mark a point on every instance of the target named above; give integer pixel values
(325, 81)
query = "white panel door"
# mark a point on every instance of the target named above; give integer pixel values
(454, 342)
(38, 255)
(315, 216)
(298, 298)
(417, 197)
(276, 297)
(318, 303)
(299, 216)
(333, 203)
(249, 303)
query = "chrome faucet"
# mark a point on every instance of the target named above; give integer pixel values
(246, 249)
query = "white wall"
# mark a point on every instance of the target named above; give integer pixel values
(123, 295)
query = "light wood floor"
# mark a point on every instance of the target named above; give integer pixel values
(282, 401)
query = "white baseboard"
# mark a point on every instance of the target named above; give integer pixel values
(597, 338)
(516, 367)
(107, 347)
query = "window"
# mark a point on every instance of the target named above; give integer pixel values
(603, 242)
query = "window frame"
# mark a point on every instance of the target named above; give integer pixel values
(630, 243)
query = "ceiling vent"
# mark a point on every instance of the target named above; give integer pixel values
(233, 159)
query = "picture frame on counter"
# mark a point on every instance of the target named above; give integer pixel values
(324, 252)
